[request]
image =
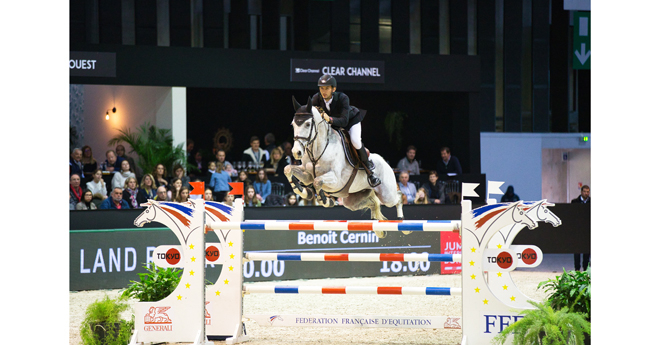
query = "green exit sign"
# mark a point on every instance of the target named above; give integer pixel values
(582, 40)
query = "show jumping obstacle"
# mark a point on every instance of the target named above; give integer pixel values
(487, 233)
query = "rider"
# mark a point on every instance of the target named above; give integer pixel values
(340, 114)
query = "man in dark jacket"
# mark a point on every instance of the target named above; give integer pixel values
(584, 198)
(340, 114)
(448, 164)
(116, 201)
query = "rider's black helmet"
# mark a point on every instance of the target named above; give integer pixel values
(327, 79)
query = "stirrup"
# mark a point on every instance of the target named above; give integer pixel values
(373, 181)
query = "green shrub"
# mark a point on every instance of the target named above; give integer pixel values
(103, 324)
(571, 289)
(546, 326)
(154, 285)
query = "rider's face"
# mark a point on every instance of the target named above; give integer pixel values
(326, 91)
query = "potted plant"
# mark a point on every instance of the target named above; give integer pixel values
(153, 146)
(571, 289)
(154, 285)
(546, 326)
(103, 324)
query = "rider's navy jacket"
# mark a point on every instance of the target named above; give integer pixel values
(342, 113)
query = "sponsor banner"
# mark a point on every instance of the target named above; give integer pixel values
(500, 260)
(450, 243)
(357, 321)
(494, 323)
(528, 255)
(345, 71)
(92, 64)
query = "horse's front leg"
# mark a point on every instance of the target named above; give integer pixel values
(297, 176)
(326, 182)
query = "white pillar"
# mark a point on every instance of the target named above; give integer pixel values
(172, 115)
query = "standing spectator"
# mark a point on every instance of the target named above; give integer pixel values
(220, 183)
(148, 187)
(276, 163)
(269, 141)
(211, 169)
(208, 194)
(184, 194)
(160, 175)
(509, 195)
(86, 203)
(448, 164)
(254, 153)
(584, 198)
(115, 201)
(111, 163)
(286, 148)
(251, 199)
(97, 186)
(435, 190)
(120, 177)
(89, 163)
(161, 194)
(121, 156)
(220, 157)
(178, 172)
(190, 146)
(421, 197)
(291, 200)
(75, 165)
(409, 163)
(175, 189)
(262, 186)
(131, 193)
(408, 189)
(198, 162)
(230, 170)
(75, 192)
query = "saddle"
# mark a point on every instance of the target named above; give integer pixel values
(350, 152)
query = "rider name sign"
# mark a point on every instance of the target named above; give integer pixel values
(345, 71)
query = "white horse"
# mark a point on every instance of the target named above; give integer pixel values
(326, 169)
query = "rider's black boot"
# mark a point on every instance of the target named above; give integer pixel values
(369, 165)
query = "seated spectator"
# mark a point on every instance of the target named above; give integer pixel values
(435, 190)
(115, 201)
(120, 151)
(111, 163)
(89, 163)
(208, 195)
(254, 153)
(421, 197)
(86, 203)
(251, 199)
(161, 194)
(120, 177)
(160, 175)
(175, 189)
(230, 170)
(75, 192)
(269, 142)
(97, 186)
(243, 177)
(509, 195)
(448, 164)
(408, 163)
(262, 185)
(75, 165)
(179, 172)
(286, 148)
(220, 157)
(229, 200)
(184, 194)
(408, 189)
(276, 164)
(132, 193)
(291, 200)
(220, 183)
(148, 187)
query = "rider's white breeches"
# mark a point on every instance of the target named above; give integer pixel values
(355, 133)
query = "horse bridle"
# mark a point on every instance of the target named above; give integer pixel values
(309, 145)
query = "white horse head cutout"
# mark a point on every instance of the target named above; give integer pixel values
(174, 215)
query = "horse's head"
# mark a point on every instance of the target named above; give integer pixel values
(520, 216)
(545, 215)
(147, 215)
(304, 121)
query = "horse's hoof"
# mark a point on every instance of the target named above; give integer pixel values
(406, 232)
(399, 218)
(380, 234)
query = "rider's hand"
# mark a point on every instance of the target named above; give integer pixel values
(327, 118)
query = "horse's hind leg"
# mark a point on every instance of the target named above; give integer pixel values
(366, 199)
